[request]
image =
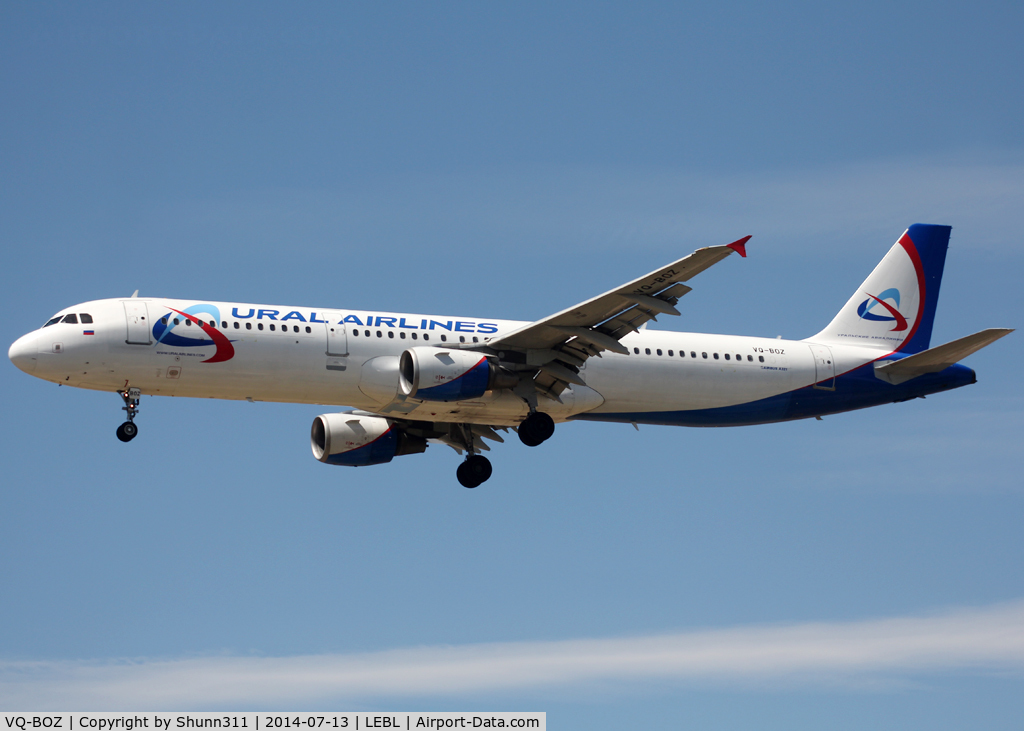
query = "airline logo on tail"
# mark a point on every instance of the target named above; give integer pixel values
(864, 310)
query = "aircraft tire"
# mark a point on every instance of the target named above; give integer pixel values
(480, 467)
(464, 477)
(127, 431)
(475, 471)
(536, 429)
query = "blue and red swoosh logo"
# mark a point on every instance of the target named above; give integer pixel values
(864, 310)
(163, 332)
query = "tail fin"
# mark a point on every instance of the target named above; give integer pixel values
(895, 306)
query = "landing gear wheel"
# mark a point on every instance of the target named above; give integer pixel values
(127, 431)
(536, 429)
(474, 471)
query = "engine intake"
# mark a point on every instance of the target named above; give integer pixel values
(439, 374)
(357, 441)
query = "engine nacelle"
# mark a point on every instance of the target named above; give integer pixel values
(356, 441)
(440, 374)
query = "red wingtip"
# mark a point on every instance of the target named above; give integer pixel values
(740, 246)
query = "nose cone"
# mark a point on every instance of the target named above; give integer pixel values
(23, 353)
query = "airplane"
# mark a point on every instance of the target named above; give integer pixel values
(410, 379)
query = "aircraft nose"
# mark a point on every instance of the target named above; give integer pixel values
(23, 352)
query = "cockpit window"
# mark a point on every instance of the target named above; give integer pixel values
(54, 321)
(85, 318)
(71, 319)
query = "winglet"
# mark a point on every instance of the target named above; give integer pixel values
(740, 247)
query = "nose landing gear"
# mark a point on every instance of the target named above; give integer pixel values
(128, 430)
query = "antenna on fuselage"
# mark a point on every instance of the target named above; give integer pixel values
(134, 294)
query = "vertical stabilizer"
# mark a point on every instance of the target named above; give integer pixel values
(895, 306)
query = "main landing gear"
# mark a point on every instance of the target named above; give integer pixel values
(474, 471)
(128, 430)
(536, 429)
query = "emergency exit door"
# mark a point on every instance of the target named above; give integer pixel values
(337, 343)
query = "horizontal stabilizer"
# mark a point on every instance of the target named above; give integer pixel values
(938, 358)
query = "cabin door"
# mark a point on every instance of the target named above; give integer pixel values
(139, 326)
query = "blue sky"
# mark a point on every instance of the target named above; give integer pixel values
(509, 161)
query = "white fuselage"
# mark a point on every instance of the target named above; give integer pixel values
(347, 357)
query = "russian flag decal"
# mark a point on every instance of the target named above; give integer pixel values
(88, 332)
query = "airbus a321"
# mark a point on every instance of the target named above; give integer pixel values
(410, 379)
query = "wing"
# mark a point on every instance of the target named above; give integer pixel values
(558, 345)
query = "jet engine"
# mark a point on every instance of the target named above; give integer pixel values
(439, 374)
(356, 440)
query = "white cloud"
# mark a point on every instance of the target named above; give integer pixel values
(985, 639)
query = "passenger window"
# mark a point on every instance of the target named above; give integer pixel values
(704, 356)
(693, 354)
(176, 321)
(391, 334)
(670, 354)
(476, 340)
(259, 326)
(71, 319)
(223, 324)
(716, 356)
(401, 335)
(462, 338)
(636, 350)
(414, 336)
(86, 319)
(647, 351)
(248, 326)
(761, 358)
(366, 333)
(188, 323)
(354, 332)
(426, 336)
(659, 351)
(308, 329)
(444, 338)
(53, 321)
(380, 334)
(726, 356)
(163, 320)
(750, 358)
(272, 328)
(236, 325)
